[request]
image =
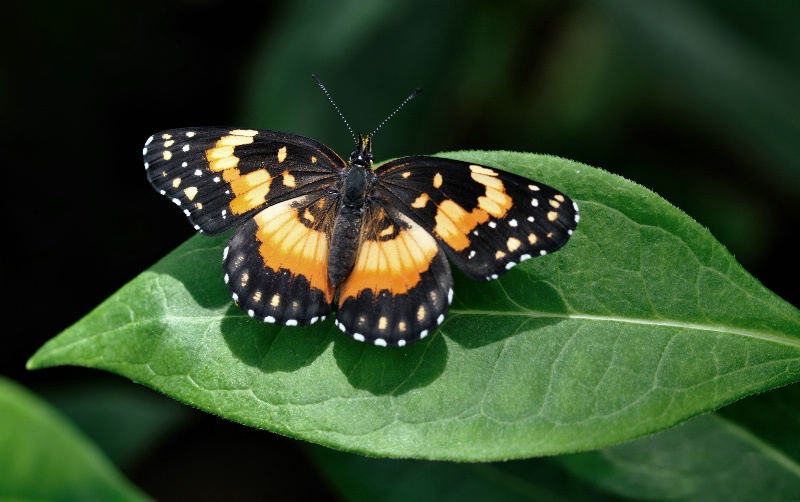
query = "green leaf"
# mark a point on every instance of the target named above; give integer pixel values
(706, 459)
(45, 458)
(358, 478)
(640, 322)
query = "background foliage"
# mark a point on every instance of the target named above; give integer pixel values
(695, 100)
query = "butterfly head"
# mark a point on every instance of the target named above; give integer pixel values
(362, 155)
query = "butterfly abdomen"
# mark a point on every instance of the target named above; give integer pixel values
(344, 243)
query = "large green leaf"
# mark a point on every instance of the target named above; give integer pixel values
(45, 458)
(642, 321)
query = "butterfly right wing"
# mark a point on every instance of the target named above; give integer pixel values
(276, 264)
(221, 176)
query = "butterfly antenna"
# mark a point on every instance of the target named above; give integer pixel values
(322, 86)
(409, 98)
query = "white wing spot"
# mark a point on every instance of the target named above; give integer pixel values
(512, 223)
(357, 336)
(291, 322)
(534, 188)
(380, 342)
(269, 319)
(492, 224)
(535, 202)
(542, 252)
(185, 148)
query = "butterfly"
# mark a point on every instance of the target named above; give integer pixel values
(314, 231)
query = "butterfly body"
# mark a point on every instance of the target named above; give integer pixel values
(314, 231)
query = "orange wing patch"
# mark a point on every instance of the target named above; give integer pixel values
(294, 242)
(454, 223)
(250, 190)
(394, 264)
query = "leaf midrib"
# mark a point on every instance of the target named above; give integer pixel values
(783, 340)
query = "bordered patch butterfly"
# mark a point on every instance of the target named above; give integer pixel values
(314, 231)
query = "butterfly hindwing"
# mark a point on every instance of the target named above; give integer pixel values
(276, 264)
(488, 220)
(400, 287)
(222, 176)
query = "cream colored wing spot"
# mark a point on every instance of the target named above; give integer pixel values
(513, 244)
(282, 154)
(420, 201)
(386, 231)
(190, 192)
(437, 180)
(276, 300)
(552, 216)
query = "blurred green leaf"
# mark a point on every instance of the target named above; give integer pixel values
(45, 458)
(642, 321)
(123, 420)
(706, 459)
(358, 478)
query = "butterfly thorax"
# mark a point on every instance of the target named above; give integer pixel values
(357, 181)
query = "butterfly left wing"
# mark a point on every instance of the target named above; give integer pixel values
(400, 287)
(276, 264)
(222, 176)
(488, 220)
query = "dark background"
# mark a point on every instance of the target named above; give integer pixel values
(698, 101)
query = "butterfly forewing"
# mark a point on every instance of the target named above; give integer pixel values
(488, 220)
(221, 176)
